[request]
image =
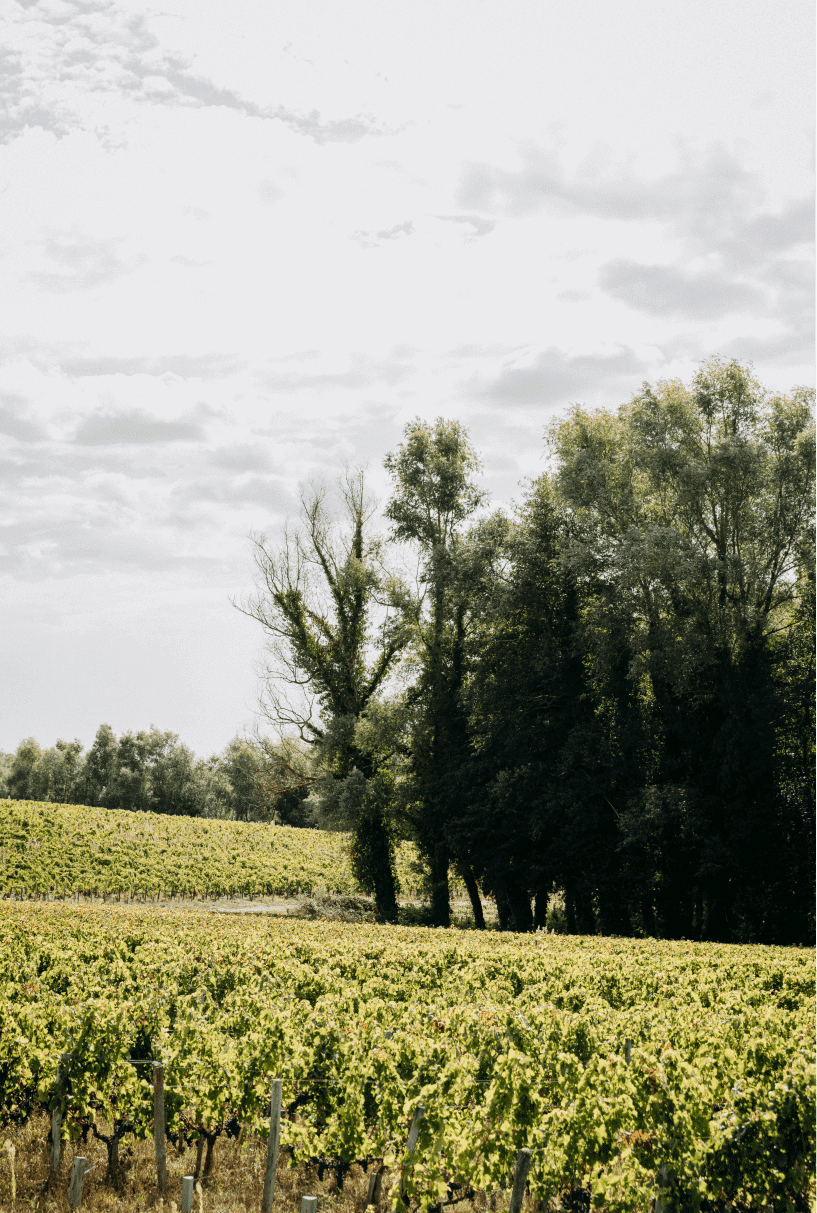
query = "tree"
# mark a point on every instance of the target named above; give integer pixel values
(25, 759)
(336, 623)
(690, 510)
(530, 802)
(434, 494)
(211, 792)
(52, 775)
(6, 761)
(100, 766)
(268, 780)
(148, 771)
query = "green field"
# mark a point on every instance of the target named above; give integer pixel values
(630, 1069)
(63, 848)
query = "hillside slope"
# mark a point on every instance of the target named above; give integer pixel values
(66, 848)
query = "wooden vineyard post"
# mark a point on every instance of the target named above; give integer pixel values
(159, 1125)
(188, 1183)
(520, 1178)
(77, 1179)
(56, 1126)
(414, 1131)
(371, 1188)
(411, 1145)
(628, 1050)
(662, 1178)
(374, 1191)
(309, 1204)
(272, 1145)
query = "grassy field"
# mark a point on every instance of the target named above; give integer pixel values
(630, 1069)
(75, 848)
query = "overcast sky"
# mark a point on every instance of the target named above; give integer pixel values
(245, 242)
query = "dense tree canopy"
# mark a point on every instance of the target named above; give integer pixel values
(605, 710)
(633, 700)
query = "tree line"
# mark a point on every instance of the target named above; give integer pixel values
(252, 779)
(607, 691)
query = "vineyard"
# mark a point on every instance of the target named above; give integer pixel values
(66, 848)
(634, 1071)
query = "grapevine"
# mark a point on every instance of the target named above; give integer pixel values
(508, 1042)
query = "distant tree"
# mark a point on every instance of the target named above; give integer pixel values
(6, 761)
(174, 787)
(153, 772)
(25, 759)
(58, 774)
(100, 766)
(55, 774)
(291, 809)
(241, 762)
(212, 793)
(269, 780)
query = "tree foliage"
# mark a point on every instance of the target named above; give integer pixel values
(336, 622)
(616, 701)
(605, 697)
(434, 495)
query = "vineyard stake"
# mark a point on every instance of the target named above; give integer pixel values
(309, 1204)
(372, 1188)
(56, 1124)
(272, 1145)
(628, 1050)
(159, 1125)
(77, 1177)
(411, 1145)
(414, 1131)
(662, 1178)
(188, 1183)
(520, 1178)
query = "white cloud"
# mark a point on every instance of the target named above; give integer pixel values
(244, 245)
(81, 262)
(65, 55)
(553, 378)
(14, 422)
(667, 290)
(135, 426)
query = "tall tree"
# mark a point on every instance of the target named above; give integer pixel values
(691, 508)
(434, 495)
(100, 766)
(336, 622)
(531, 801)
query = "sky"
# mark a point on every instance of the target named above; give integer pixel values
(245, 244)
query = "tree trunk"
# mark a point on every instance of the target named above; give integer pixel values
(473, 893)
(519, 899)
(614, 912)
(581, 918)
(373, 863)
(208, 1157)
(385, 893)
(113, 1160)
(440, 893)
(503, 909)
(540, 909)
(570, 911)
